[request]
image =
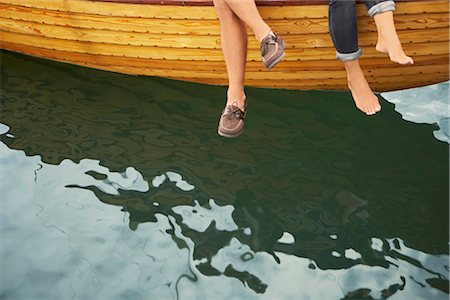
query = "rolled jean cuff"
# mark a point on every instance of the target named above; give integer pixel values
(348, 56)
(382, 7)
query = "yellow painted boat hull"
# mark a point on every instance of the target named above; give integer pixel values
(183, 42)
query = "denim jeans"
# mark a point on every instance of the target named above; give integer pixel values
(343, 26)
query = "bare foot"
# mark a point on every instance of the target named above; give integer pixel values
(394, 49)
(363, 96)
(388, 41)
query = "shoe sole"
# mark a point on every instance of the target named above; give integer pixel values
(229, 135)
(276, 61)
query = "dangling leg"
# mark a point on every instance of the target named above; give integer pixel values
(247, 11)
(344, 33)
(388, 40)
(232, 15)
(272, 46)
(233, 34)
(362, 94)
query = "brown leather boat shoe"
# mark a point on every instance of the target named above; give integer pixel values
(272, 50)
(231, 123)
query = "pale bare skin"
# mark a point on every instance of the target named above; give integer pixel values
(389, 43)
(365, 99)
(233, 15)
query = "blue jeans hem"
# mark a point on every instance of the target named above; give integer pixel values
(381, 7)
(348, 56)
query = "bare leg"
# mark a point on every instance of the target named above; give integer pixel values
(388, 41)
(344, 33)
(234, 48)
(362, 94)
(246, 10)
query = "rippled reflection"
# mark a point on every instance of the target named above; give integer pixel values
(429, 105)
(314, 201)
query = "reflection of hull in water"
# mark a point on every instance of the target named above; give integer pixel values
(309, 169)
(290, 167)
(183, 42)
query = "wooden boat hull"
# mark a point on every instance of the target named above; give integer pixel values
(183, 42)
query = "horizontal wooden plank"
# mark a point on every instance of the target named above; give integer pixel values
(298, 80)
(258, 2)
(396, 83)
(376, 87)
(288, 66)
(376, 75)
(276, 75)
(210, 2)
(203, 27)
(203, 12)
(377, 83)
(118, 9)
(436, 48)
(198, 41)
(109, 36)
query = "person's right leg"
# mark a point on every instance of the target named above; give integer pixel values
(272, 47)
(344, 33)
(247, 11)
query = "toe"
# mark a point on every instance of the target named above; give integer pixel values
(361, 108)
(368, 110)
(364, 109)
(373, 109)
(377, 108)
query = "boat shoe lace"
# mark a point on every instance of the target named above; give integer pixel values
(233, 111)
(267, 43)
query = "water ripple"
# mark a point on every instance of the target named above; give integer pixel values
(139, 198)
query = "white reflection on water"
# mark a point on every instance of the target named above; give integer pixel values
(130, 180)
(4, 128)
(199, 218)
(429, 104)
(60, 242)
(287, 238)
(175, 178)
(293, 279)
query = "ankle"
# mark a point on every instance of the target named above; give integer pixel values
(354, 73)
(356, 80)
(390, 38)
(260, 34)
(236, 96)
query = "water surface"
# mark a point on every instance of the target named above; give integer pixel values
(118, 187)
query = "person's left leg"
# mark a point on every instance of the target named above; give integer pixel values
(365, 99)
(233, 35)
(388, 41)
(233, 38)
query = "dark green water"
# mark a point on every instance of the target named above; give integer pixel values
(308, 165)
